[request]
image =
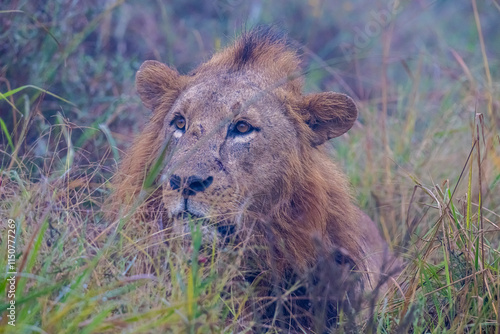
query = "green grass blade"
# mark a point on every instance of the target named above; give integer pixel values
(112, 143)
(448, 276)
(16, 90)
(469, 194)
(157, 166)
(7, 135)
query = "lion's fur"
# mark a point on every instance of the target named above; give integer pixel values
(309, 211)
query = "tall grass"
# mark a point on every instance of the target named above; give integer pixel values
(424, 161)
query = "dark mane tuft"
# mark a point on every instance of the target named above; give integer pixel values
(256, 41)
(263, 49)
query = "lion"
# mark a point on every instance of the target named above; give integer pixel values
(241, 145)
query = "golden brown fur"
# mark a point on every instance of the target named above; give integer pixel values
(276, 182)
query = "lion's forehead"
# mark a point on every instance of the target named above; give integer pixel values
(224, 95)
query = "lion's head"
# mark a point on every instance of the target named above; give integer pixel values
(241, 146)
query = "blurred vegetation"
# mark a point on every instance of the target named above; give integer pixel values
(425, 77)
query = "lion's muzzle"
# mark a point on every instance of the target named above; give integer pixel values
(191, 185)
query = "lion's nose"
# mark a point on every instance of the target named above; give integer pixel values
(191, 185)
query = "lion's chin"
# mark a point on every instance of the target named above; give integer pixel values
(192, 229)
(186, 224)
(187, 216)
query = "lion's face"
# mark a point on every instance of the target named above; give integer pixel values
(230, 143)
(239, 133)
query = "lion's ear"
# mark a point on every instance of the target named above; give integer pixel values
(329, 115)
(156, 83)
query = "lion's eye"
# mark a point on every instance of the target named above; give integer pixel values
(243, 127)
(180, 122)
